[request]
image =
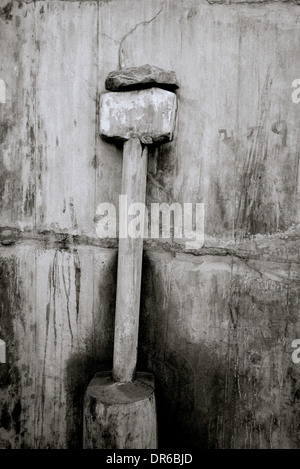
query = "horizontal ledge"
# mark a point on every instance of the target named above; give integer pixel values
(212, 2)
(10, 236)
(250, 249)
(250, 2)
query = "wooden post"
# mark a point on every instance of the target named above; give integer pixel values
(120, 415)
(129, 265)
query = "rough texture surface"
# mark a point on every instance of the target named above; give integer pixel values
(218, 323)
(119, 415)
(57, 308)
(146, 114)
(217, 334)
(141, 77)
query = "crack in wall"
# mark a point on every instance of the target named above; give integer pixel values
(121, 58)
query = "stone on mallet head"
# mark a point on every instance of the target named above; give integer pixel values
(145, 114)
(144, 76)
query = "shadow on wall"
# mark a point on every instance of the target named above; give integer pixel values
(190, 378)
(80, 370)
(222, 364)
(188, 412)
(10, 375)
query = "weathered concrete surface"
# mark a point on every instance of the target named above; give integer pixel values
(66, 96)
(229, 2)
(143, 76)
(56, 317)
(146, 114)
(217, 334)
(224, 129)
(120, 415)
(17, 117)
(231, 98)
(236, 149)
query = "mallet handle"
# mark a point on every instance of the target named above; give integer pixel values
(130, 257)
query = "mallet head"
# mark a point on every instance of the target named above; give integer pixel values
(147, 114)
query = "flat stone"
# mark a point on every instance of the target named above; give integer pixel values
(145, 76)
(145, 114)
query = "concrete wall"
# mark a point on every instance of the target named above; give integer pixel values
(217, 324)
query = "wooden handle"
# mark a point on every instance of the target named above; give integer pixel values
(130, 257)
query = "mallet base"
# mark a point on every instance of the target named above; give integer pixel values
(120, 415)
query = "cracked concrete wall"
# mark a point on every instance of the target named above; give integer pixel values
(217, 324)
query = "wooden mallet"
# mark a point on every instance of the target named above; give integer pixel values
(119, 409)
